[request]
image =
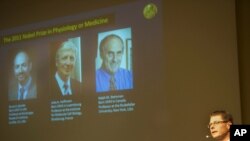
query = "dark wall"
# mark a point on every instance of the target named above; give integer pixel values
(243, 39)
(16, 13)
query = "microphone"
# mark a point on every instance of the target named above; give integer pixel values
(207, 136)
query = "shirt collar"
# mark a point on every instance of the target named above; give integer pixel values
(61, 83)
(27, 85)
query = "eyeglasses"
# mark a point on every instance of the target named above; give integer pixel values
(215, 123)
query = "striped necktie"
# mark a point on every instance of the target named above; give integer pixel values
(112, 85)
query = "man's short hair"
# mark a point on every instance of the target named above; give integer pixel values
(225, 115)
(108, 38)
(66, 45)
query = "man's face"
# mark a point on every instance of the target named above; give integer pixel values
(65, 62)
(112, 55)
(218, 127)
(22, 67)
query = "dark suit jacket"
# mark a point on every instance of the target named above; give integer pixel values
(13, 91)
(56, 92)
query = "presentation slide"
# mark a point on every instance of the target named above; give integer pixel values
(96, 75)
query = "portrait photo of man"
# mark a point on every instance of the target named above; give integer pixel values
(63, 83)
(112, 75)
(24, 85)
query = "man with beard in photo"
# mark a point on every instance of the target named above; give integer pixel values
(24, 87)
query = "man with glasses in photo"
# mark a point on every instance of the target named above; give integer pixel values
(219, 125)
(111, 76)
